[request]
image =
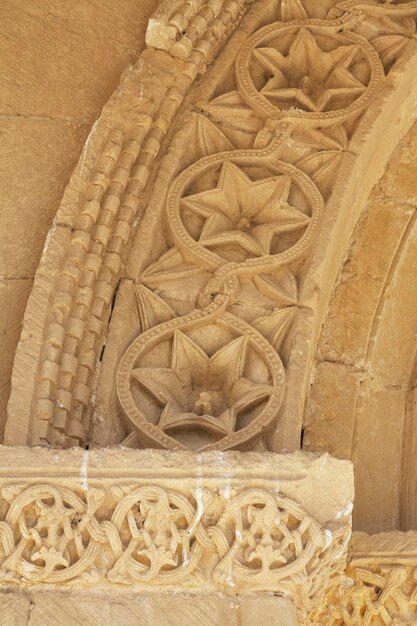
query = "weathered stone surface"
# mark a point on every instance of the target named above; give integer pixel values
(380, 584)
(178, 304)
(36, 161)
(13, 298)
(145, 609)
(15, 608)
(361, 404)
(59, 64)
(63, 61)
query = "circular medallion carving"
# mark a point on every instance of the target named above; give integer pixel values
(308, 71)
(192, 384)
(240, 209)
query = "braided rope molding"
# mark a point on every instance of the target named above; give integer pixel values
(148, 535)
(380, 585)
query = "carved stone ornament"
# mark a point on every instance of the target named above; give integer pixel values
(380, 586)
(145, 519)
(178, 304)
(221, 254)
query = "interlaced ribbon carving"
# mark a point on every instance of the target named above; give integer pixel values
(150, 535)
(241, 220)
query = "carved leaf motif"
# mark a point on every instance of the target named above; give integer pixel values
(293, 10)
(283, 290)
(322, 167)
(171, 266)
(230, 109)
(308, 139)
(175, 285)
(275, 297)
(209, 137)
(152, 309)
(275, 326)
(390, 47)
(381, 18)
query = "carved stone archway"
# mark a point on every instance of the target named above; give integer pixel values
(178, 305)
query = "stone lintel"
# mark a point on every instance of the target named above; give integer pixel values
(159, 524)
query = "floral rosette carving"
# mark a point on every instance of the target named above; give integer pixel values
(196, 399)
(208, 379)
(271, 540)
(308, 71)
(154, 539)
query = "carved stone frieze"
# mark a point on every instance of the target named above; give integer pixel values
(227, 522)
(380, 585)
(177, 306)
(233, 229)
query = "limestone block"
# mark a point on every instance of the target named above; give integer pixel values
(55, 49)
(400, 181)
(30, 193)
(13, 297)
(156, 609)
(15, 607)
(330, 420)
(267, 610)
(376, 246)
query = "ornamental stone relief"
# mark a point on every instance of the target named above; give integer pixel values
(172, 522)
(177, 306)
(246, 186)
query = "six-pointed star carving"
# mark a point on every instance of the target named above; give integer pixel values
(245, 212)
(309, 75)
(202, 391)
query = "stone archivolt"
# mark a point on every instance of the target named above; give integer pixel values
(224, 242)
(238, 234)
(240, 220)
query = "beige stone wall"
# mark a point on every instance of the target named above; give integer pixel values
(362, 403)
(59, 63)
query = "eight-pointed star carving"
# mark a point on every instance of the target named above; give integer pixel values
(245, 212)
(202, 391)
(308, 75)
